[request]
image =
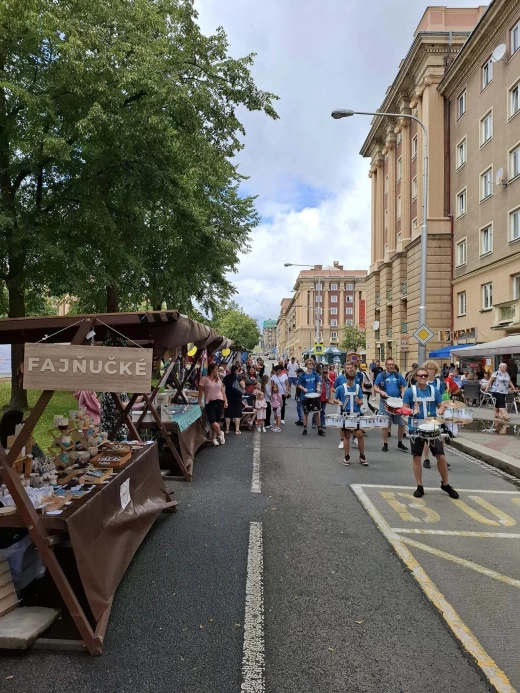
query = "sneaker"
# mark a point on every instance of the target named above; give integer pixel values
(426, 464)
(269, 426)
(341, 445)
(221, 439)
(363, 460)
(450, 491)
(215, 442)
(448, 465)
(402, 446)
(355, 442)
(321, 432)
(313, 425)
(385, 447)
(346, 460)
(304, 432)
(389, 434)
(263, 429)
(282, 421)
(419, 491)
(258, 429)
(299, 422)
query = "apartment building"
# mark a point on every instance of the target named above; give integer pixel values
(333, 295)
(395, 148)
(269, 335)
(482, 92)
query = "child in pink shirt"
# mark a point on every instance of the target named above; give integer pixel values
(276, 406)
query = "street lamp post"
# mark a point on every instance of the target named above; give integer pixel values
(346, 113)
(317, 314)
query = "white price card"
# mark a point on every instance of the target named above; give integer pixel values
(125, 493)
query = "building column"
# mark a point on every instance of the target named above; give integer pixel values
(406, 183)
(380, 210)
(417, 104)
(373, 175)
(392, 201)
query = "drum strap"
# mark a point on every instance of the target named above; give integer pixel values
(357, 393)
(424, 400)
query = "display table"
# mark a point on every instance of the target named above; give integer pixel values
(187, 431)
(105, 535)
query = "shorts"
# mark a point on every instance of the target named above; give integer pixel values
(293, 381)
(436, 447)
(311, 404)
(214, 410)
(396, 419)
(277, 412)
(500, 399)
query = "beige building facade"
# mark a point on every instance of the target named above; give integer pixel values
(482, 95)
(395, 148)
(333, 295)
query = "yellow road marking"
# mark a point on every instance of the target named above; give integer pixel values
(488, 666)
(456, 533)
(462, 561)
(437, 488)
(503, 518)
(415, 503)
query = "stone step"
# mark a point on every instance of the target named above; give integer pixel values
(22, 626)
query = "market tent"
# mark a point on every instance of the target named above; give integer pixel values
(445, 352)
(506, 345)
(333, 350)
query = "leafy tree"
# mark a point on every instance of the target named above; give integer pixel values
(352, 339)
(233, 323)
(118, 129)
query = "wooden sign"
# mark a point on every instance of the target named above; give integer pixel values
(99, 369)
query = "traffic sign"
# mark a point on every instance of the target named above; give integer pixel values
(318, 348)
(423, 334)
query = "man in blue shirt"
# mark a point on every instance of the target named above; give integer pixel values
(310, 382)
(349, 396)
(431, 400)
(390, 383)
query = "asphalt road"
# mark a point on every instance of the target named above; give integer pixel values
(342, 612)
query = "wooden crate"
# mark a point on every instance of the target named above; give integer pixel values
(111, 458)
(8, 598)
(96, 480)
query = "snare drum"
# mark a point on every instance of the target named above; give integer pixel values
(380, 421)
(429, 431)
(334, 421)
(311, 402)
(392, 404)
(350, 421)
(367, 422)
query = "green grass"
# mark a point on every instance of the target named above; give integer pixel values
(61, 403)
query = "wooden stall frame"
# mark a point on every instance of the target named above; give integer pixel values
(91, 639)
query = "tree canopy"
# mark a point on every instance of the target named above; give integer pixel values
(235, 324)
(352, 338)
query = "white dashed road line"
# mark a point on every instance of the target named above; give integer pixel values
(253, 660)
(256, 484)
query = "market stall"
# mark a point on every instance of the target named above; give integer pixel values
(104, 499)
(488, 356)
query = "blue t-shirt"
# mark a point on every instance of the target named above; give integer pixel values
(341, 394)
(421, 394)
(392, 383)
(310, 381)
(439, 384)
(339, 381)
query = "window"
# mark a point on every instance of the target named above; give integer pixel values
(414, 188)
(333, 311)
(486, 128)
(349, 323)
(486, 240)
(349, 299)
(516, 286)
(333, 287)
(462, 152)
(414, 147)
(461, 203)
(349, 287)
(386, 185)
(399, 206)
(514, 162)
(333, 323)
(515, 38)
(319, 287)
(514, 100)
(461, 253)
(486, 184)
(461, 302)
(399, 168)
(487, 72)
(319, 299)
(487, 296)
(386, 218)
(333, 335)
(398, 237)
(514, 224)
(414, 224)
(461, 104)
(333, 299)
(349, 311)
(399, 137)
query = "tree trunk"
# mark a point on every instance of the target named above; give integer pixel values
(112, 302)
(17, 310)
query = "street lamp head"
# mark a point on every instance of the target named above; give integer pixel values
(342, 113)
(287, 264)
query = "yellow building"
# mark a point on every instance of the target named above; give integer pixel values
(333, 295)
(395, 147)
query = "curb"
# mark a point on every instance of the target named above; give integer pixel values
(505, 463)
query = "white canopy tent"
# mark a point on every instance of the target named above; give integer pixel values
(506, 345)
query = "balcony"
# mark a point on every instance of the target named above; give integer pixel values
(389, 332)
(404, 290)
(507, 315)
(404, 327)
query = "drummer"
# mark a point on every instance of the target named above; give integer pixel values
(433, 379)
(412, 398)
(390, 383)
(309, 382)
(344, 399)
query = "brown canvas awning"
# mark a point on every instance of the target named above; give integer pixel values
(168, 328)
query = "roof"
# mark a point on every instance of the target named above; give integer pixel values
(332, 272)
(170, 329)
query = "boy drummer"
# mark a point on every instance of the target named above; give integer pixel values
(424, 399)
(310, 382)
(349, 396)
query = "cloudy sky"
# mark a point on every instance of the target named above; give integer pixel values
(314, 192)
